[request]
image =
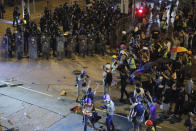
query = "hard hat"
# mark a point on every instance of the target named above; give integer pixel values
(189, 52)
(145, 48)
(25, 22)
(124, 32)
(136, 29)
(84, 72)
(122, 52)
(106, 97)
(107, 66)
(66, 33)
(89, 100)
(139, 98)
(114, 56)
(149, 123)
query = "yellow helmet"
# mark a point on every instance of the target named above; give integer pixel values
(114, 56)
(25, 22)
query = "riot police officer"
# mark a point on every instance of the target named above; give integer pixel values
(82, 45)
(91, 45)
(45, 39)
(70, 46)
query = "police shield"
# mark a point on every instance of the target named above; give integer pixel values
(32, 48)
(60, 47)
(82, 46)
(91, 46)
(19, 45)
(45, 40)
(4, 48)
(70, 47)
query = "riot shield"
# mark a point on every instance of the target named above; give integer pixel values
(70, 48)
(19, 41)
(82, 46)
(60, 47)
(91, 46)
(32, 41)
(45, 41)
(4, 48)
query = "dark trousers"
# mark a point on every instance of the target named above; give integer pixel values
(109, 123)
(155, 124)
(86, 118)
(15, 21)
(123, 89)
(179, 108)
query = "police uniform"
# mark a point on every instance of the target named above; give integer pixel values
(131, 63)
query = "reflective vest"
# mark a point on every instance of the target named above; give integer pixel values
(184, 24)
(189, 61)
(165, 54)
(160, 48)
(88, 110)
(132, 63)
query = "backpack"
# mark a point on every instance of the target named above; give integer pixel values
(140, 111)
(108, 78)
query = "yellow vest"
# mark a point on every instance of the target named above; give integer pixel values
(132, 63)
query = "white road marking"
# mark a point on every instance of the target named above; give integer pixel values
(29, 89)
(35, 91)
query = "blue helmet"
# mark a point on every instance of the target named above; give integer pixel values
(139, 99)
(106, 97)
(84, 72)
(89, 100)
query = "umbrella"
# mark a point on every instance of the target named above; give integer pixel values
(145, 68)
(178, 49)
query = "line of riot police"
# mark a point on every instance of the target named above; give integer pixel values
(68, 30)
(35, 44)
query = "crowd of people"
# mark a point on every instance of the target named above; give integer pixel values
(159, 67)
(83, 32)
